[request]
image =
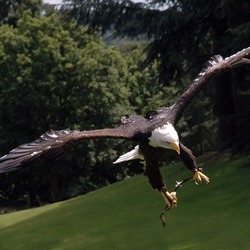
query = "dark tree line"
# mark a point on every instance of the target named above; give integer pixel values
(58, 74)
(55, 75)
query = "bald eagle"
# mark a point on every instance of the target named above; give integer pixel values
(154, 133)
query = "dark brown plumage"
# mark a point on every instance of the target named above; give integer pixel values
(133, 127)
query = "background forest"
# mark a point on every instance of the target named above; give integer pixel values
(87, 63)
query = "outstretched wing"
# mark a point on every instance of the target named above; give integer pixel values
(52, 144)
(215, 66)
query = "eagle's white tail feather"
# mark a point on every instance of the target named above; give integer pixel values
(131, 155)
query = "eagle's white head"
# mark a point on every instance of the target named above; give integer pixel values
(165, 137)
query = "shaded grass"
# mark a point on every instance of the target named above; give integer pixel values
(125, 215)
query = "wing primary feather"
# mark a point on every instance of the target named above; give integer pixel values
(51, 145)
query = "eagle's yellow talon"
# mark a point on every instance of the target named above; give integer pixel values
(199, 176)
(170, 199)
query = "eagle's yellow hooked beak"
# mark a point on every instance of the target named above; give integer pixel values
(175, 146)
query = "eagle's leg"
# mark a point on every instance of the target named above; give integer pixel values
(189, 160)
(171, 202)
(155, 177)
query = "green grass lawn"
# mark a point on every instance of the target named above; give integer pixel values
(125, 215)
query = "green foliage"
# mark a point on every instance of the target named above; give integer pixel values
(126, 215)
(147, 91)
(54, 75)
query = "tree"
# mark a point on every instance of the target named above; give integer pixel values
(54, 75)
(183, 34)
(11, 10)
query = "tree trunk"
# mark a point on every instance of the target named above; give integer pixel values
(232, 107)
(225, 111)
(54, 185)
